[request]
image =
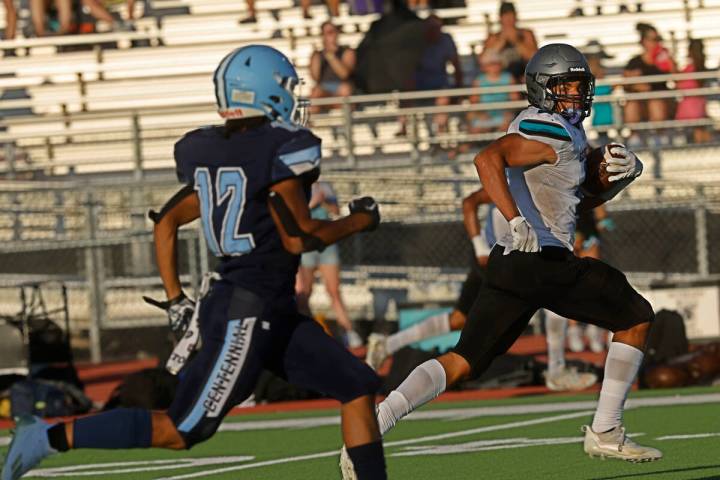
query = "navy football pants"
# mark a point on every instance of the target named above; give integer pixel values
(241, 335)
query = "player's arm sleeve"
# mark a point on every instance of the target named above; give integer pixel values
(297, 157)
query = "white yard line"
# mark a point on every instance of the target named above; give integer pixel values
(689, 437)
(466, 413)
(135, 466)
(441, 414)
(490, 428)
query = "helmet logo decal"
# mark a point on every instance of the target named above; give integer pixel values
(577, 69)
(242, 96)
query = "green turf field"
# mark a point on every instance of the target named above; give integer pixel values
(528, 438)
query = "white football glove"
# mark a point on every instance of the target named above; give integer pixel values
(523, 236)
(179, 311)
(621, 161)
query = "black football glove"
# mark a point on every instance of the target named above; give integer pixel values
(368, 206)
(179, 311)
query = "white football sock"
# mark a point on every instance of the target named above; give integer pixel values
(428, 328)
(621, 368)
(423, 384)
(555, 326)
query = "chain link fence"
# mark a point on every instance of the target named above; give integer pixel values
(96, 239)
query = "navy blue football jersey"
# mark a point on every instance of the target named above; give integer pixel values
(232, 175)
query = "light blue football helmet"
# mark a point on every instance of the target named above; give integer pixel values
(256, 80)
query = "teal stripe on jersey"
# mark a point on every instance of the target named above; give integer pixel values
(546, 129)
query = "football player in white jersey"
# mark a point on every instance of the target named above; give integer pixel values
(534, 174)
(557, 377)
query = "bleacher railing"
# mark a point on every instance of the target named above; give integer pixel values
(139, 138)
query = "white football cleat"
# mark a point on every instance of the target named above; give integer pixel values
(569, 379)
(376, 350)
(615, 444)
(347, 469)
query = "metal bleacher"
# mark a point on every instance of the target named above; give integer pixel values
(101, 109)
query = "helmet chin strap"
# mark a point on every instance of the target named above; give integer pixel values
(573, 116)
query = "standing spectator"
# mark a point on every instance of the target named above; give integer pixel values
(332, 67)
(431, 73)
(323, 204)
(602, 110)
(654, 60)
(693, 107)
(492, 75)
(515, 45)
(10, 20)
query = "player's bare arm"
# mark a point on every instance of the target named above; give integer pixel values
(302, 233)
(511, 150)
(183, 208)
(471, 222)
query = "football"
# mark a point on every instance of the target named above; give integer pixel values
(596, 175)
(666, 376)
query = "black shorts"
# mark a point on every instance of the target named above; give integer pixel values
(242, 334)
(519, 284)
(470, 288)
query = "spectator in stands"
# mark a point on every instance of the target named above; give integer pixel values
(693, 107)
(323, 204)
(654, 60)
(332, 67)
(602, 110)
(622, 8)
(99, 12)
(418, 4)
(333, 8)
(515, 45)
(492, 75)
(40, 17)
(251, 17)
(431, 73)
(10, 20)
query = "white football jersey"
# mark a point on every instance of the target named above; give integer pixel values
(547, 195)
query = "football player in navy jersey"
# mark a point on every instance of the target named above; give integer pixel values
(248, 181)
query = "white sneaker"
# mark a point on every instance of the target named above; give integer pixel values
(347, 469)
(595, 338)
(615, 444)
(376, 350)
(574, 339)
(353, 339)
(569, 379)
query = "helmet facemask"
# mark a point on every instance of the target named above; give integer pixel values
(572, 103)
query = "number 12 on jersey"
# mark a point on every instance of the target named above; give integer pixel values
(230, 182)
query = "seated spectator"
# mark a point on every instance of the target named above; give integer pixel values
(40, 18)
(332, 67)
(333, 9)
(515, 45)
(602, 110)
(10, 20)
(693, 107)
(654, 60)
(492, 75)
